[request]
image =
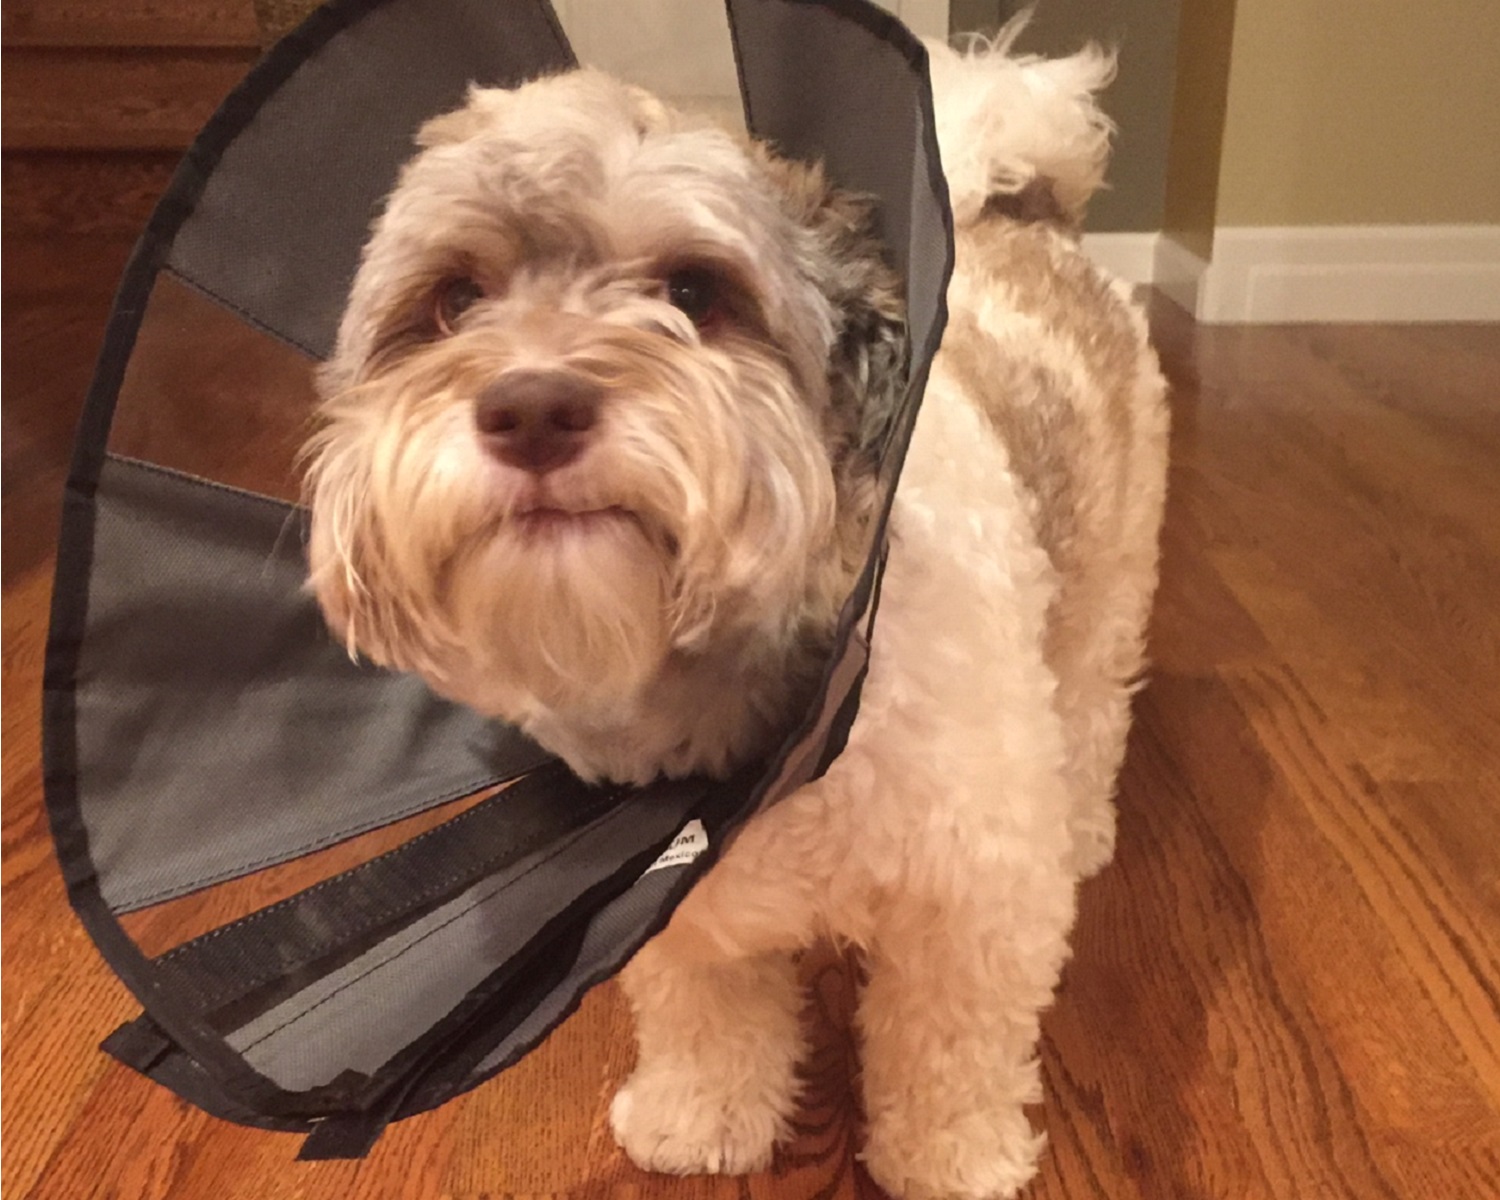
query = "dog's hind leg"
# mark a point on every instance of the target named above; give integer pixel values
(1095, 687)
(1095, 682)
(1096, 644)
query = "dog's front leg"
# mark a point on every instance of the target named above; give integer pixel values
(949, 1020)
(716, 1078)
(717, 1006)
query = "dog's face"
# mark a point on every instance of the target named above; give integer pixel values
(604, 401)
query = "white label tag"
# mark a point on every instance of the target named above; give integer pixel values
(686, 846)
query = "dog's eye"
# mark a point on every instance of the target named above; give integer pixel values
(695, 292)
(453, 298)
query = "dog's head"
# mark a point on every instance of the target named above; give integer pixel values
(604, 405)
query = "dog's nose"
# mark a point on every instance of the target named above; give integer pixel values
(537, 420)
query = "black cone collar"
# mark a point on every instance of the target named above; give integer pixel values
(203, 733)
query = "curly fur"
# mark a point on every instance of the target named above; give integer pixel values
(668, 619)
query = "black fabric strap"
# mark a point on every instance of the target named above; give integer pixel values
(139, 1044)
(271, 952)
(347, 1136)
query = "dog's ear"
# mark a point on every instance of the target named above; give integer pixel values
(481, 107)
(870, 359)
(648, 112)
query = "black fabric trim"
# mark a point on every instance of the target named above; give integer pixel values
(182, 1075)
(739, 66)
(346, 1136)
(139, 1044)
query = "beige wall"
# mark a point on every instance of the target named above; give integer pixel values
(1192, 187)
(1139, 100)
(1344, 112)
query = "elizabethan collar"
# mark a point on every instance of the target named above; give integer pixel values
(238, 809)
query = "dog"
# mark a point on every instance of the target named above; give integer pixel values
(598, 457)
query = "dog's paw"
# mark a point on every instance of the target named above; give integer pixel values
(982, 1159)
(681, 1124)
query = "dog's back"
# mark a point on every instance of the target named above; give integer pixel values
(1055, 355)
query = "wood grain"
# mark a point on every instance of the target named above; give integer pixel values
(140, 23)
(57, 194)
(109, 99)
(1286, 986)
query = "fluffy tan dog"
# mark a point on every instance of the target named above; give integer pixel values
(597, 458)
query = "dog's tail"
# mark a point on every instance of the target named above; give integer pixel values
(1020, 134)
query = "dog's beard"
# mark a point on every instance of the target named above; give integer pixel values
(695, 516)
(576, 608)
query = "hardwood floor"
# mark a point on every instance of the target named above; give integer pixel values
(1288, 984)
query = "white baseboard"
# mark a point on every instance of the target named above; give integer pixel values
(1352, 273)
(1178, 273)
(1127, 256)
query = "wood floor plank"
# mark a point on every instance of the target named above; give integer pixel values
(1424, 928)
(1438, 378)
(1198, 623)
(112, 99)
(171, 23)
(1456, 827)
(71, 194)
(1260, 1074)
(1412, 718)
(1237, 1072)
(1383, 614)
(124, 1143)
(1285, 985)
